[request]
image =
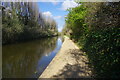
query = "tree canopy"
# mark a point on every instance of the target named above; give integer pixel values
(23, 21)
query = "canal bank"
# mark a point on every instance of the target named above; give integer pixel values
(70, 62)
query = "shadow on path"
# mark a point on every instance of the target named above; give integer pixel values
(79, 69)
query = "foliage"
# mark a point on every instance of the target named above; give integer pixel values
(23, 21)
(102, 48)
(75, 20)
(12, 28)
(95, 26)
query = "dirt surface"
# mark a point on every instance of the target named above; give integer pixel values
(70, 62)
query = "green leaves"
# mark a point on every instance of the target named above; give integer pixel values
(25, 22)
(95, 27)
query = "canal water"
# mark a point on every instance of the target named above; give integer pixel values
(29, 59)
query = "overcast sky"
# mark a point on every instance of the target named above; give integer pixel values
(56, 10)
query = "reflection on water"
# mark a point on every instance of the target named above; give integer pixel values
(29, 59)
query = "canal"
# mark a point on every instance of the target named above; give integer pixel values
(29, 59)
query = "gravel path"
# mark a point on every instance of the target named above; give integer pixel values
(70, 62)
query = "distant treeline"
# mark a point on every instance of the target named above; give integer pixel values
(96, 28)
(23, 21)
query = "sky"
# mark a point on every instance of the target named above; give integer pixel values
(56, 10)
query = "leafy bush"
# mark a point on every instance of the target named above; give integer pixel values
(97, 30)
(102, 48)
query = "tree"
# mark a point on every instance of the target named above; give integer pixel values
(23, 21)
